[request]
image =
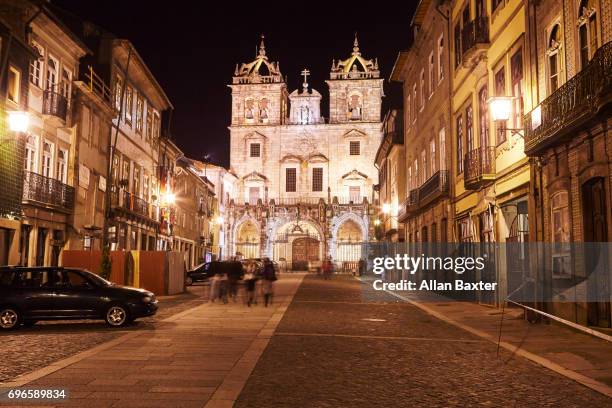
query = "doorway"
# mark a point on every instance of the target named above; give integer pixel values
(304, 250)
(596, 231)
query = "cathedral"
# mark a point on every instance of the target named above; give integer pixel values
(304, 184)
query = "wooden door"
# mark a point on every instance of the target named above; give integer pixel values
(304, 250)
(596, 230)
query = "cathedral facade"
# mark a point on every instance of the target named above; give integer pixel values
(304, 186)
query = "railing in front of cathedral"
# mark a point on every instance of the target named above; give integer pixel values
(296, 200)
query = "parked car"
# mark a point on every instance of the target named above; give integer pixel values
(205, 271)
(30, 294)
(201, 273)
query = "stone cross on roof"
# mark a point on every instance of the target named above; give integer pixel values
(305, 74)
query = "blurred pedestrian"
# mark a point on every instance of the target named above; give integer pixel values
(214, 287)
(328, 268)
(269, 276)
(250, 280)
(234, 274)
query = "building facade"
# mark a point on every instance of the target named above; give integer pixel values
(424, 70)
(49, 151)
(304, 183)
(16, 55)
(391, 163)
(567, 136)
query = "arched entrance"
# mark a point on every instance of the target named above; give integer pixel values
(349, 240)
(247, 240)
(296, 243)
(304, 250)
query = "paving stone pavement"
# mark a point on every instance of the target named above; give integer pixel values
(28, 349)
(332, 349)
(201, 356)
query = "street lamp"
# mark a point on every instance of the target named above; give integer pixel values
(169, 198)
(376, 222)
(501, 110)
(18, 121)
(386, 208)
(219, 220)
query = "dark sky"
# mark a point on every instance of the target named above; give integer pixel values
(192, 49)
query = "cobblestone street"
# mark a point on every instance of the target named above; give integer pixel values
(331, 350)
(46, 342)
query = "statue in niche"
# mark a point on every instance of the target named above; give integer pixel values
(355, 107)
(263, 110)
(304, 115)
(249, 109)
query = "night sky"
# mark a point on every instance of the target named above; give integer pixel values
(192, 49)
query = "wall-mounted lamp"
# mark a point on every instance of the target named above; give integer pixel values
(18, 121)
(501, 111)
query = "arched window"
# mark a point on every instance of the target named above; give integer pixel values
(587, 31)
(554, 68)
(52, 67)
(31, 150)
(483, 116)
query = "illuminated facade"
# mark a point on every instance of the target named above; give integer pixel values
(304, 183)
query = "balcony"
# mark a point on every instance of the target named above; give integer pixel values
(55, 104)
(132, 205)
(479, 167)
(47, 191)
(474, 39)
(434, 188)
(572, 106)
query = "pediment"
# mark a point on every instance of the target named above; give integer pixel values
(355, 175)
(291, 158)
(255, 136)
(255, 176)
(353, 133)
(317, 158)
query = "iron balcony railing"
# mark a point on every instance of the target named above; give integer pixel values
(128, 201)
(295, 200)
(570, 106)
(434, 187)
(48, 191)
(55, 104)
(479, 167)
(474, 32)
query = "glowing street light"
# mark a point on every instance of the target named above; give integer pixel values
(169, 198)
(500, 108)
(376, 222)
(386, 208)
(18, 121)
(219, 220)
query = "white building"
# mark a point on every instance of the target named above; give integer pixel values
(304, 183)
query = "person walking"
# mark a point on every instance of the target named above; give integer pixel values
(269, 276)
(328, 268)
(250, 280)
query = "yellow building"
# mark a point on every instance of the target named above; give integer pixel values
(490, 169)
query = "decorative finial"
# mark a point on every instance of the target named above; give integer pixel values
(236, 72)
(376, 63)
(333, 64)
(305, 74)
(262, 47)
(356, 45)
